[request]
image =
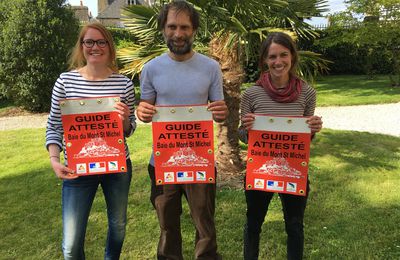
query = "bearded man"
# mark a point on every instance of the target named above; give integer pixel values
(182, 77)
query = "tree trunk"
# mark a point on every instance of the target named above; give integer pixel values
(230, 166)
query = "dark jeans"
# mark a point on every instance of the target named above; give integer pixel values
(293, 211)
(167, 200)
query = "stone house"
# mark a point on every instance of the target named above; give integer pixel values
(109, 11)
(82, 13)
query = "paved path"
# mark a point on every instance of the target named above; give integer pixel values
(384, 119)
(18, 122)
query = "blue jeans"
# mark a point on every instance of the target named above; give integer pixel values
(77, 199)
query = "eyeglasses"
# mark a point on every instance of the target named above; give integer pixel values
(89, 43)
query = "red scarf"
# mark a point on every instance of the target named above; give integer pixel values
(286, 95)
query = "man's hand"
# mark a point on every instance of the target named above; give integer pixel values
(219, 110)
(145, 111)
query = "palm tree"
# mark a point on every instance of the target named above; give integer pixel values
(230, 32)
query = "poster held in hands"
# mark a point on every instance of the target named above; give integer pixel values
(183, 144)
(93, 135)
(278, 155)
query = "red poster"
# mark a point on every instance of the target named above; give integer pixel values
(183, 140)
(93, 135)
(278, 155)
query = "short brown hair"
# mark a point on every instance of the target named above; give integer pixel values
(281, 39)
(178, 6)
(77, 59)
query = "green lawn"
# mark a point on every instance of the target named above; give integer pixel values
(343, 90)
(348, 90)
(353, 210)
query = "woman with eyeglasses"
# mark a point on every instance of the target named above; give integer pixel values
(93, 73)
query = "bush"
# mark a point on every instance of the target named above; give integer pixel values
(35, 39)
(251, 70)
(122, 37)
(349, 56)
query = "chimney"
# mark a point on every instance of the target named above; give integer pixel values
(101, 6)
(81, 3)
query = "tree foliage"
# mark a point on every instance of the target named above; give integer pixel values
(373, 26)
(34, 42)
(246, 22)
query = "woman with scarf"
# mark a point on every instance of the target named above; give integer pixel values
(277, 92)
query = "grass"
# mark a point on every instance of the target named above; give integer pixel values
(350, 90)
(352, 212)
(343, 90)
(8, 108)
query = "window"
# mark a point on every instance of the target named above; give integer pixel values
(131, 2)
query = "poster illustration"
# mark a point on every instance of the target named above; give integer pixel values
(183, 140)
(278, 155)
(93, 135)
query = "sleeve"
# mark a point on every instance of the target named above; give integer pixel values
(311, 99)
(147, 90)
(245, 108)
(54, 130)
(130, 102)
(216, 92)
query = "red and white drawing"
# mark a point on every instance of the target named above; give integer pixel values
(97, 147)
(279, 167)
(186, 157)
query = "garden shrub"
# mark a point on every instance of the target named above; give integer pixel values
(122, 37)
(35, 39)
(349, 56)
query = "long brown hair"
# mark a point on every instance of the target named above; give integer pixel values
(77, 59)
(281, 39)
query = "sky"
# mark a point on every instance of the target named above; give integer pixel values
(334, 6)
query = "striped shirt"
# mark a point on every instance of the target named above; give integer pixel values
(72, 85)
(256, 100)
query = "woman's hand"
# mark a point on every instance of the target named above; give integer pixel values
(61, 171)
(248, 121)
(124, 113)
(315, 124)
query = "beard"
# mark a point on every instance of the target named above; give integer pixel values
(180, 50)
